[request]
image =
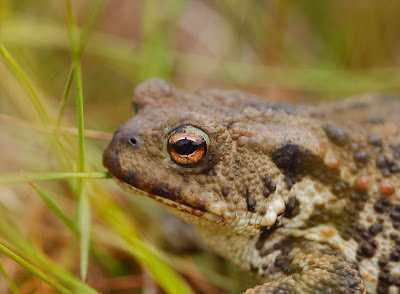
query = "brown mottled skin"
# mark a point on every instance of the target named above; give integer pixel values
(306, 197)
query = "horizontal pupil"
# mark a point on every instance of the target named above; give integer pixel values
(185, 147)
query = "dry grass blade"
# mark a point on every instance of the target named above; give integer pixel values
(89, 134)
(10, 179)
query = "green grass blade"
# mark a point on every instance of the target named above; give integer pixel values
(72, 30)
(83, 212)
(76, 68)
(168, 279)
(10, 179)
(26, 250)
(149, 257)
(79, 102)
(53, 206)
(106, 259)
(122, 235)
(23, 79)
(84, 229)
(98, 8)
(41, 275)
(83, 215)
(88, 28)
(10, 282)
(65, 96)
(156, 57)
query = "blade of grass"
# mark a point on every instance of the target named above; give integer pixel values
(65, 96)
(120, 226)
(166, 277)
(89, 134)
(22, 102)
(56, 142)
(41, 275)
(26, 250)
(10, 282)
(72, 30)
(159, 36)
(84, 229)
(88, 28)
(53, 206)
(104, 258)
(81, 136)
(83, 213)
(87, 31)
(23, 79)
(78, 84)
(124, 236)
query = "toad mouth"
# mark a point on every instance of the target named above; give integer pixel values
(184, 207)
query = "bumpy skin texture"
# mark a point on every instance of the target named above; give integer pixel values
(306, 197)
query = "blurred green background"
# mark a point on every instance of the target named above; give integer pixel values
(301, 50)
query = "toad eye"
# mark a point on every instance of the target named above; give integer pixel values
(187, 145)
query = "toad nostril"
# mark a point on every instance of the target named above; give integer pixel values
(134, 141)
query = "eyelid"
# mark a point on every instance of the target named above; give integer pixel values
(190, 136)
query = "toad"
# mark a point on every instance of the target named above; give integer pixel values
(305, 196)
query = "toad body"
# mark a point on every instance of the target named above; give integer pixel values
(306, 197)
